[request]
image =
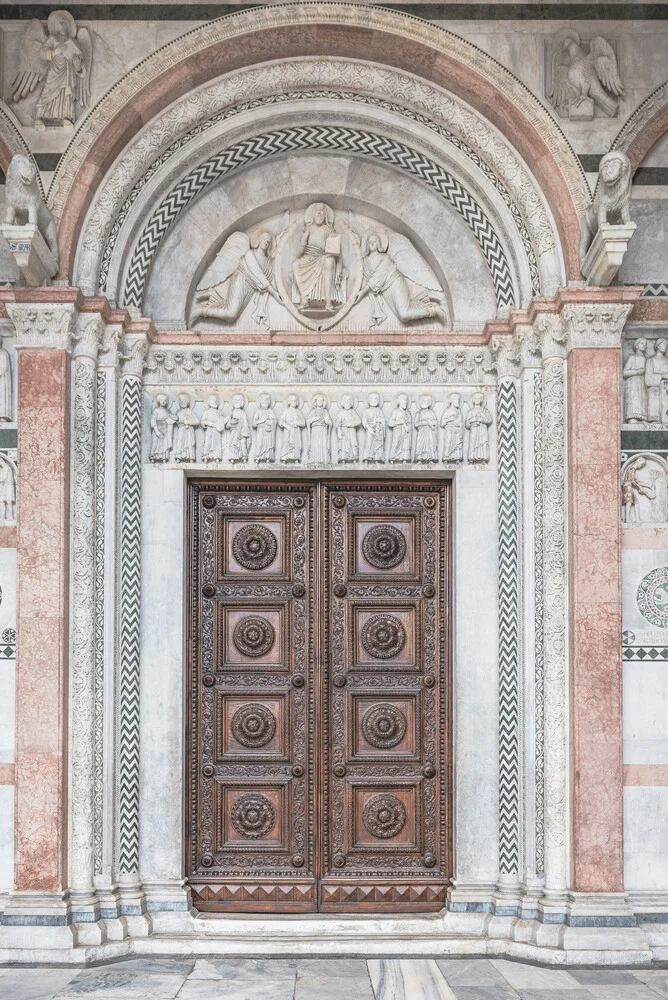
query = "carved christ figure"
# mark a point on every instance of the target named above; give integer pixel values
(264, 424)
(242, 273)
(320, 425)
(317, 272)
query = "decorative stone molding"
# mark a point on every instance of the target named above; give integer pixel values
(652, 109)
(276, 17)
(606, 253)
(539, 632)
(298, 366)
(33, 258)
(594, 325)
(353, 89)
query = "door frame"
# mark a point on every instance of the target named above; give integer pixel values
(293, 479)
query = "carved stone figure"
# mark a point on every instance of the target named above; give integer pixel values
(292, 423)
(452, 422)
(24, 204)
(7, 491)
(58, 60)
(635, 485)
(162, 429)
(375, 425)
(347, 422)
(317, 273)
(390, 263)
(320, 426)
(242, 273)
(264, 424)
(656, 369)
(400, 424)
(184, 430)
(478, 422)
(633, 375)
(584, 79)
(214, 423)
(426, 426)
(612, 198)
(240, 433)
(6, 400)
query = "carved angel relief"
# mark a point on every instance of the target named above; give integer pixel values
(316, 270)
(56, 63)
(585, 76)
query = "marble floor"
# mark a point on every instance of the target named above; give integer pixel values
(330, 979)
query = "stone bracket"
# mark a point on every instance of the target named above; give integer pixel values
(605, 255)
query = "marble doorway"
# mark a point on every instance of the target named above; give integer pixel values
(318, 762)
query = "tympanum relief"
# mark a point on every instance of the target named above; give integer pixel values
(317, 429)
(318, 269)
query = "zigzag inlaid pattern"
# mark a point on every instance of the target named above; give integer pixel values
(130, 561)
(509, 596)
(287, 140)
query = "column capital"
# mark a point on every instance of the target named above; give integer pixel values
(42, 325)
(133, 354)
(87, 335)
(594, 324)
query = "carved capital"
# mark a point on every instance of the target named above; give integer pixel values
(133, 354)
(87, 335)
(552, 336)
(109, 353)
(595, 325)
(507, 352)
(42, 325)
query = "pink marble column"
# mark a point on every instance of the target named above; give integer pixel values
(42, 640)
(595, 619)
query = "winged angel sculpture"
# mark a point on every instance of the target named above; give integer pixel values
(242, 272)
(58, 59)
(582, 79)
(391, 265)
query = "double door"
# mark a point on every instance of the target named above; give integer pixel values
(317, 698)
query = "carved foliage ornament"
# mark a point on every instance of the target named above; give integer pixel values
(383, 637)
(384, 816)
(255, 547)
(254, 636)
(253, 725)
(253, 815)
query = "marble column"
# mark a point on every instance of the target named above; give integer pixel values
(42, 341)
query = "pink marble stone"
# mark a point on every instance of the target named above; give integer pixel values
(41, 675)
(595, 619)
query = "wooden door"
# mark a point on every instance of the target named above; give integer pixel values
(317, 708)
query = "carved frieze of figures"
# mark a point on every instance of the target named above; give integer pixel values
(319, 429)
(316, 267)
(644, 494)
(54, 64)
(585, 77)
(645, 383)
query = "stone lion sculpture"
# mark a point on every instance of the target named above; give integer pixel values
(23, 203)
(611, 198)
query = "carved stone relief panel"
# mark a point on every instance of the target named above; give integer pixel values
(582, 78)
(319, 428)
(644, 497)
(645, 380)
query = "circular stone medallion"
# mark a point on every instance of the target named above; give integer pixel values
(383, 636)
(384, 816)
(253, 815)
(384, 726)
(652, 597)
(253, 636)
(384, 546)
(254, 547)
(253, 725)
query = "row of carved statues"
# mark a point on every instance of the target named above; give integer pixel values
(645, 400)
(320, 432)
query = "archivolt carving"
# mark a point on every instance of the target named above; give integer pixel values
(353, 86)
(641, 118)
(266, 18)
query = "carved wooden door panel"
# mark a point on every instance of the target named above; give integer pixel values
(317, 701)
(385, 720)
(251, 781)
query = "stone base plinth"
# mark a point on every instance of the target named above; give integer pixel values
(605, 255)
(35, 261)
